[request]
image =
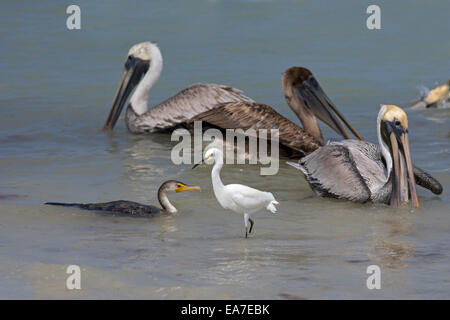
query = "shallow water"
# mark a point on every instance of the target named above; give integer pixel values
(56, 90)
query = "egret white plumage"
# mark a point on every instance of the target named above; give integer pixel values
(238, 198)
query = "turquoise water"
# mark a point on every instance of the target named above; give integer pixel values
(56, 90)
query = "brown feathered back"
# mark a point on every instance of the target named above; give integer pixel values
(184, 105)
(246, 115)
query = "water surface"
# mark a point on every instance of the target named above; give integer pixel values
(56, 89)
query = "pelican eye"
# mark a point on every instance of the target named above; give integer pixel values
(313, 81)
(129, 61)
(178, 185)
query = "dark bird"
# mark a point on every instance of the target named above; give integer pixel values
(133, 208)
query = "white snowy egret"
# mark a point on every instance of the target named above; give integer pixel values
(237, 197)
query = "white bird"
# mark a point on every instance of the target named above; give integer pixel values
(237, 197)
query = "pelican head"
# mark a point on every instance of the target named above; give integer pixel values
(139, 60)
(394, 143)
(307, 99)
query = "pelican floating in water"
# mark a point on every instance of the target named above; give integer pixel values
(312, 99)
(218, 105)
(134, 208)
(433, 99)
(361, 171)
(142, 69)
(237, 197)
(295, 141)
(307, 99)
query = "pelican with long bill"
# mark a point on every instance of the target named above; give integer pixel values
(361, 171)
(143, 66)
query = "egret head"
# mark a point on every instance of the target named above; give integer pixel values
(393, 136)
(138, 61)
(212, 154)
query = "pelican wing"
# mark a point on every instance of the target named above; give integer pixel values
(246, 115)
(367, 156)
(332, 172)
(186, 104)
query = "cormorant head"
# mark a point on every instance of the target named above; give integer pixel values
(174, 186)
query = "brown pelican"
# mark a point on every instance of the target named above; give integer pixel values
(361, 171)
(306, 98)
(294, 140)
(217, 105)
(433, 99)
(141, 71)
(133, 208)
